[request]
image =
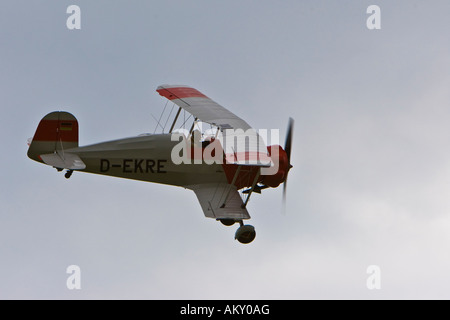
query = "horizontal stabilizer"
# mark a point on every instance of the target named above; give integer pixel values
(63, 161)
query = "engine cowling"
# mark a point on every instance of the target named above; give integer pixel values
(279, 157)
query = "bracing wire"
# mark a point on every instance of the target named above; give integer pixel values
(167, 120)
(160, 117)
(184, 122)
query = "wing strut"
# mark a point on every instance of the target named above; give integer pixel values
(193, 125)
(255, 181)
(176, 118)
(232, 184)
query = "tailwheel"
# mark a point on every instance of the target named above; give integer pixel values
(68, 174)
(245, 234)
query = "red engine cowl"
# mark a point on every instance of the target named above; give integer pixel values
(281, 159)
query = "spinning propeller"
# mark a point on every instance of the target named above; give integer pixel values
(284, 168)
(288, 148)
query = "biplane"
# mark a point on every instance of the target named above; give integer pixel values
(223, 166)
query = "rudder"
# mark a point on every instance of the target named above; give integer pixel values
(57, 131)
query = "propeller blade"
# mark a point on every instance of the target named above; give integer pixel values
(288, 149)
(288, 142)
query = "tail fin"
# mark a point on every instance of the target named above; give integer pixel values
(57, 131)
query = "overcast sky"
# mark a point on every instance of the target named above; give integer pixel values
(371, 177)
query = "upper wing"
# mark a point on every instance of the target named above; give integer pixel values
(220, 201)
(242, 144)
(202, 107)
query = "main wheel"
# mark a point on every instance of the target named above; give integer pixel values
(227, 222)
(245, 234)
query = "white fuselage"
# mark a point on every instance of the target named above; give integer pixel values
(146, 158)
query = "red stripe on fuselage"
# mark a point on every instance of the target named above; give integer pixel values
(245, 177)
(248, 156)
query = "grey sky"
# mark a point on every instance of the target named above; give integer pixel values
(371, 174)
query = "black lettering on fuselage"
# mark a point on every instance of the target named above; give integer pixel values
(126, 166)
(104, 165)
(160, 166)
(149, 164)
(133, 165)
(137, 165)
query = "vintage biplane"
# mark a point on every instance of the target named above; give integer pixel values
(223, 168)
